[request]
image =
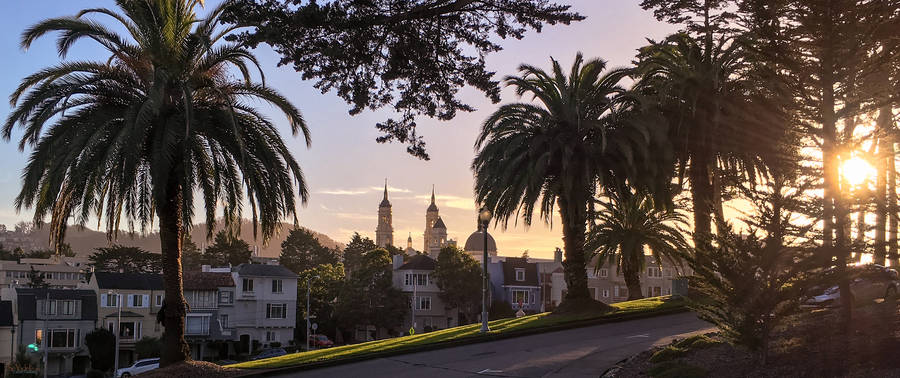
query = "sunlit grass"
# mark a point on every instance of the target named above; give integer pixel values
(471, 331)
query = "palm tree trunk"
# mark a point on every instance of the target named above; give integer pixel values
(573, 214)
(632, 273)
(175, 348)
(702, 197)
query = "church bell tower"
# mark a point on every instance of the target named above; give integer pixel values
(384, 233)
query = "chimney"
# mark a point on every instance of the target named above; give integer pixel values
(557, 255)
(397, 261)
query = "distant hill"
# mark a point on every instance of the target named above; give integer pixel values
(83, 241)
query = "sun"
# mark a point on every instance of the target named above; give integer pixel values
(857, 171)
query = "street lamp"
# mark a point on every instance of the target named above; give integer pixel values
(484, 219)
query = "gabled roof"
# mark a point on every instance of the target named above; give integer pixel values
(264, 270)
(418, 262)
(129, 281)
(439, 224)
(27, 301)
(207, 280)
(509, 272)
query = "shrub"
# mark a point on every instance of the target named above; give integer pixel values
(677, 370)
(668, 353)
(745, 283)
(148, 347)
(275, 344)
(500, 310)
(696, 342)
(101, 345)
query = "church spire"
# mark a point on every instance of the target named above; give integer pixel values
(433, 207)
(384, 201)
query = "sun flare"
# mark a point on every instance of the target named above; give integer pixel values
(857, 171)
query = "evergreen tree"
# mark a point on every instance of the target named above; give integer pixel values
(301, 251)
(354, 251)
(411, 55)
(119, 258)
(227, 250)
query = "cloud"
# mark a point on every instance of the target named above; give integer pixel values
(343, 192)
(453, 202)
(356, 216)
(391, 189)
(361, 191)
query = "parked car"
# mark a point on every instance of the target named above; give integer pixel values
(867, 283)
(320, 341)
(269, 353)
(139, 366)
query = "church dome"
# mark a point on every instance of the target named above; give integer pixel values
(475, 242)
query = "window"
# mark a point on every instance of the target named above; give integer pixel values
(520, 297)
(62, 338)
(159, 299)
(423, 303)
(196, 324)
(108, 300)
(654, 272)
(223, 321)
(520, 274)
(137, 300)
(67, 307)
(50, 308)
(277, 286)
(226, 297)
(593, 291)
(48, 275)
(202, 299)
(620, 291)
(247, 287)
(605, 293)
(668, 291)
(271, 336)
(276, 310)
(130, 330)
(38, 336)
(668, 272)
(604, 273)
(417, 279)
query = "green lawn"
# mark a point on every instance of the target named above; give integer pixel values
(499, 328)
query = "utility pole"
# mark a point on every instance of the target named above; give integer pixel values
(45, 340)
(414, 301)
(307, 314)
(117, 330)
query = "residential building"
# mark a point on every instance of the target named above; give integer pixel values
(59, 320)
(515, 280)
(607, 284)
(57, 273)
(265, 306)
(139, 296)
(414, 278)
(209, 323)
(7, 335)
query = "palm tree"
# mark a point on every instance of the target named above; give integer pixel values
(628, 224)
(584, 130)
(719, 124)
(134, 137)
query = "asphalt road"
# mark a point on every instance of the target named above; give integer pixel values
(580, 352)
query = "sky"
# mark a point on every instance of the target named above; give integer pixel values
(345, 168)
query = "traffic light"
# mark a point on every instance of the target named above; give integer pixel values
(34, 347)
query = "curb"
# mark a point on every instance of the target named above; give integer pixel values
(459, 342)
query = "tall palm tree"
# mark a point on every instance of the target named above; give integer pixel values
(582, 131)
(719, 124)
(629, 224)
(136, 136)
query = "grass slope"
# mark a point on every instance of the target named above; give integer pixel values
(543, 322)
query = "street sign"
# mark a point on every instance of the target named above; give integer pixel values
(315, 326)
